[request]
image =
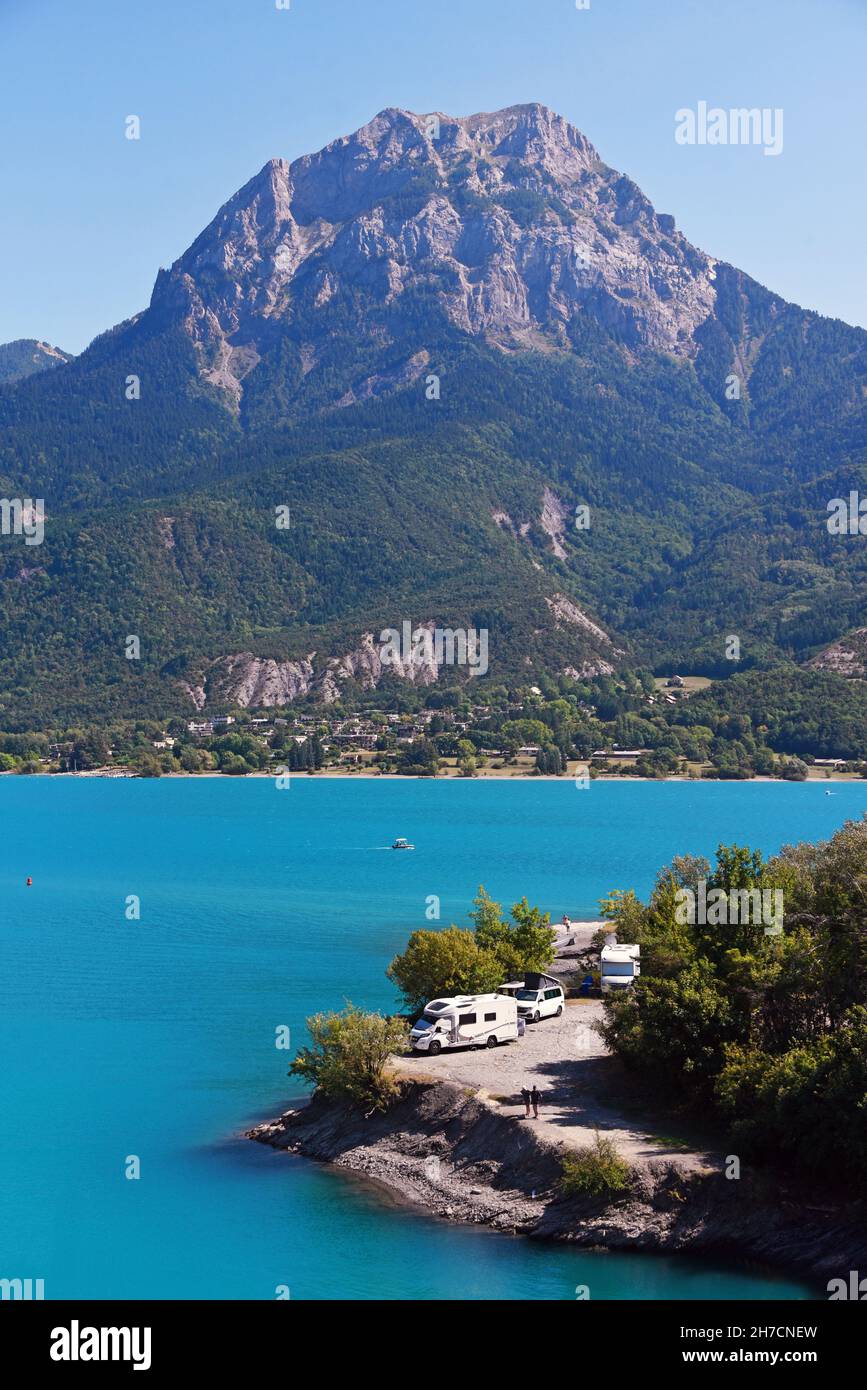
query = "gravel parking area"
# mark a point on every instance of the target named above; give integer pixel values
(566, 1059)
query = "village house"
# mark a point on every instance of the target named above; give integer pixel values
(355, 740)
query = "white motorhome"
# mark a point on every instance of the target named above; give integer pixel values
(468, 1020)
(620, 966)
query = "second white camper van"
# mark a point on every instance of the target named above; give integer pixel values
(470, 1020)
(620, 966)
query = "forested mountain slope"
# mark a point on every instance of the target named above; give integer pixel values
(433, 341)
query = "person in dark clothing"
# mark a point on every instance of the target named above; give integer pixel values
(525, 1097)
(534, 1101)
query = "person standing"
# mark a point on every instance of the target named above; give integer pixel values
(525, 1097)
(535, 1098)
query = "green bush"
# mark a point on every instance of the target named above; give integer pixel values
(597, 1171)
(147, 765)
(349, 1054)
(805, 1107)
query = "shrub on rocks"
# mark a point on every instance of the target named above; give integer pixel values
(349, 1055)
(596, 1171)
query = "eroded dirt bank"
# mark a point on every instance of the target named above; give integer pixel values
(459, 1156)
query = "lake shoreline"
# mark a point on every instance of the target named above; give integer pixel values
(449, 1151)
(119, 775)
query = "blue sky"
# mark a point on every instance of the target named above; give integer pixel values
(223, 85)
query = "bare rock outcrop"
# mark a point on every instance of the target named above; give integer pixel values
(553, 521)
(510, 221)
(845, 657)
(247, 680)
(26, 357)
(244, 679)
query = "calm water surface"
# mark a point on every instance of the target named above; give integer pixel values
(156, 1038)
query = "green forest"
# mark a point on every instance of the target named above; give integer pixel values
(765, 1033)
(707, 518)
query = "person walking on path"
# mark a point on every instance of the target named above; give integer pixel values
(534, 1101)
(525, 1097)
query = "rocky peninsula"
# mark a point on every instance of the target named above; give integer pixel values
(458, 1143)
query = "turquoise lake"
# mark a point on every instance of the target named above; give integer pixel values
(258, 907)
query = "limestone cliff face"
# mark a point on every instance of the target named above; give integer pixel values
(244, 679)
(261, 682)
(251, 681)
(510, 220)
(365, 664)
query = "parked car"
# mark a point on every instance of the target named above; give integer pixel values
(537, 996)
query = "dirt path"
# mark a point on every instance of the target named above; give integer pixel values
(567, 1061)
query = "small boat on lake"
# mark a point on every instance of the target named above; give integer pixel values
(402, 844)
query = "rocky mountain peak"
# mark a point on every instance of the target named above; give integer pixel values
(510, 218)
(536, 134)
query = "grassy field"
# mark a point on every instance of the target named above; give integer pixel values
(691, 684)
